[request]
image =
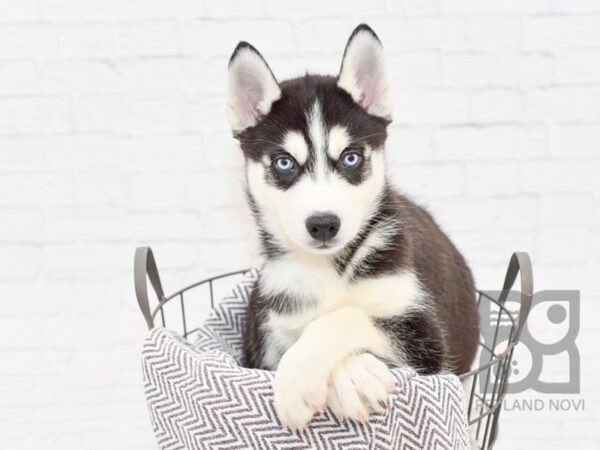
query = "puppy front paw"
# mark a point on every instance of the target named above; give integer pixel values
(300, 391)
(359, 384)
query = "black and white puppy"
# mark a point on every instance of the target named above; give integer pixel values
(357, 277)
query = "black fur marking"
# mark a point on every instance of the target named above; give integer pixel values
(382, 217)
(419, 340)
(269, 244)
(254, 335)
(343, 259)
(291, 111)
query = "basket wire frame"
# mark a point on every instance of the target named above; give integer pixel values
(483, 406)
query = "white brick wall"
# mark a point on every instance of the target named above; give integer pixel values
(112, 135)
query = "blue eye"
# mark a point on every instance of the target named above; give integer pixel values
(351, 159)
(284, 164)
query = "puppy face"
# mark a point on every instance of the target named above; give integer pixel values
(313, 145)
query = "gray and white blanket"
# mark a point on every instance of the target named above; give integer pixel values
(200, 397)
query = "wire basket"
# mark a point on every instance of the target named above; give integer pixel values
(485, 385)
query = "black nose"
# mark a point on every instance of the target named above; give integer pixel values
(323, 226)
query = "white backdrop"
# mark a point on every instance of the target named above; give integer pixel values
(112, 135)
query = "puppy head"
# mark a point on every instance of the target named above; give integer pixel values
(313, 145)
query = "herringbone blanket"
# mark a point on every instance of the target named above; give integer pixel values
(200, 397)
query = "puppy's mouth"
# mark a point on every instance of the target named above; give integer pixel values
(325, 246)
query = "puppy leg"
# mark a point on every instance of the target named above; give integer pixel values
(304, 372)
(362, 382)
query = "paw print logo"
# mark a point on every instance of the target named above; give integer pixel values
(546, 358)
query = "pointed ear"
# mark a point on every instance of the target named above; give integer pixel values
(364, 73)
(251, 88)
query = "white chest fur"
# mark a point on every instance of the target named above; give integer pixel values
(320, 289)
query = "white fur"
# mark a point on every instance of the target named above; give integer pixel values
(295, 144)
(364, 75)
(338, 141)
(317, 132)
(251, 89)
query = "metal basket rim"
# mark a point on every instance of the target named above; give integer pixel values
(493, 361)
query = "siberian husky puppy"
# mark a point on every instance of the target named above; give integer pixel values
(357, 278)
